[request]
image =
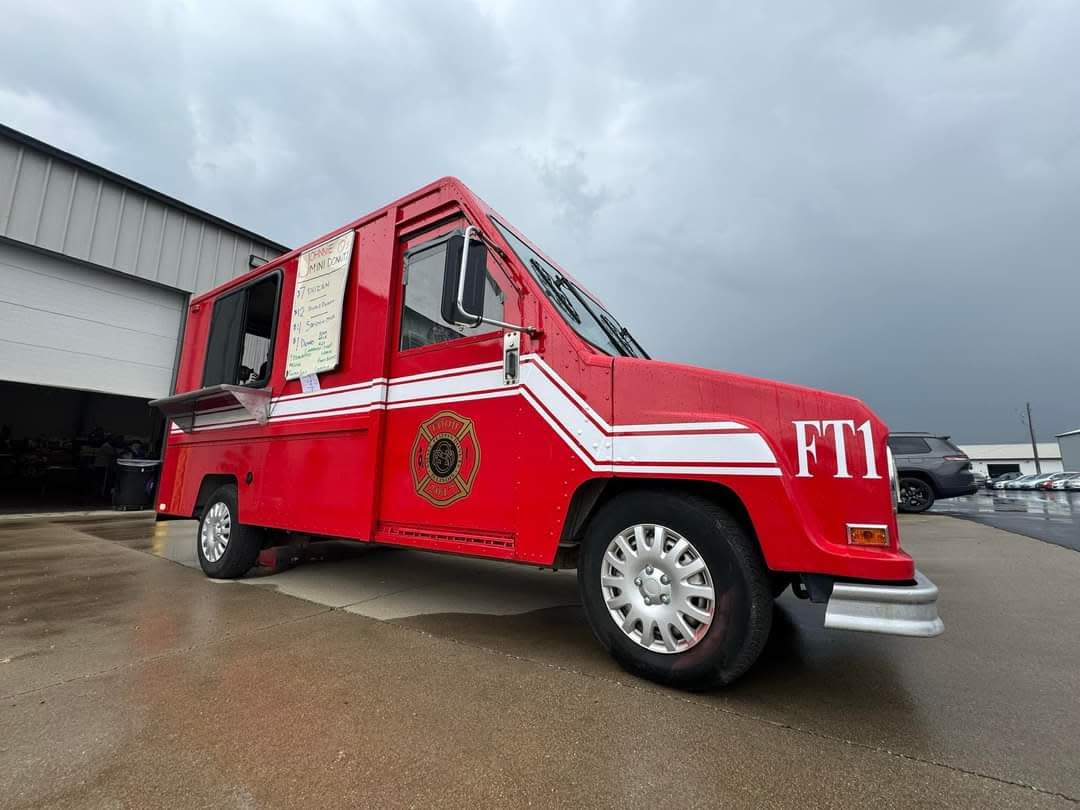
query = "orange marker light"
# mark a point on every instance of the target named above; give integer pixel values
(862, 535)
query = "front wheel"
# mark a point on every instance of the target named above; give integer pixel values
(915, 495)
(227, 549)
(675, 589)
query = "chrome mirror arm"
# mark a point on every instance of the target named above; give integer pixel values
(473, 319)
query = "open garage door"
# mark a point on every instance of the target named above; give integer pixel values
(72, 326)
(62, 449)
(81, 352)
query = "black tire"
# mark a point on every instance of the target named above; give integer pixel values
(243, 544)
(915, 495)
(736, 635)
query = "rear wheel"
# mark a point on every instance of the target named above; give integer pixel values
(227, 549)
(915, 495)
(675, 589)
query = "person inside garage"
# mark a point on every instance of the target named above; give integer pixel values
(104, 455)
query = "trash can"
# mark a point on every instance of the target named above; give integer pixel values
(136, 480)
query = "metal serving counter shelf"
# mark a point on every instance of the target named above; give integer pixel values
(183, 408)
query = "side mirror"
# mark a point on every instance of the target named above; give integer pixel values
(464, 280)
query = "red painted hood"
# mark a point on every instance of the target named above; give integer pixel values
(806, 429)
(648, 391)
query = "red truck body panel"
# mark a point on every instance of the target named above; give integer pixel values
(352, 460)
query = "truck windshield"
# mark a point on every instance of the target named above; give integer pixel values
(584, 314)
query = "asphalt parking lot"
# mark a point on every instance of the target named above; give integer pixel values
(380, 677)
(1053, 517)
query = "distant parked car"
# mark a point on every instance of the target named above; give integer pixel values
(930, 467)
(1014, 483)
(980, 478)
(1073, 484)
(1058, 480)
(998, 481)
(1035, 482)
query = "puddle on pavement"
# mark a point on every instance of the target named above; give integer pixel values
(1054, 504)
(1052, 517)
(118, 530)
(49, 596)
(18, 525)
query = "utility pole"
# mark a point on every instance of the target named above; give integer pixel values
(1034, 446)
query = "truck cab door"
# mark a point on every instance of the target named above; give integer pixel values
(451, 442)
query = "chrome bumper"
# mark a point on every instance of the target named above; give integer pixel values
(898, 610)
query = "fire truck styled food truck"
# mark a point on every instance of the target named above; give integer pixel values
(427, 377)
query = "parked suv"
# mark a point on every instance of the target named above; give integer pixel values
(930, 467)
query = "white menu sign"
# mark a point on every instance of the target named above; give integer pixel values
(315, 331)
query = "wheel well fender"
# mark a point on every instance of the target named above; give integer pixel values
(591, 496)
(209, 486)
(919, 475)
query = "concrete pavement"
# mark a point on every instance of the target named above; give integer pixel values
(404, 679)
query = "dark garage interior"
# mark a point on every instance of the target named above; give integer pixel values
(60, 448)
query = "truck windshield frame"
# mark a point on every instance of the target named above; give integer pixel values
(582, 313)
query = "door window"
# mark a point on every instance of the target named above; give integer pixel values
(421, 319)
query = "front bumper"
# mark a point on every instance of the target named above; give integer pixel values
(897, 610)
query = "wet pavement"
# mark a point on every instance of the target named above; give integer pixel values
(379, 677)
(1053, 517)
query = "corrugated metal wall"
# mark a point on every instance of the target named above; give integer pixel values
(68, 325)
(1070, 451)
(95, 270)
(59, 203)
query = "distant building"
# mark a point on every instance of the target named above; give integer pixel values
(998, 459)
(1069, 447)
(96, 271)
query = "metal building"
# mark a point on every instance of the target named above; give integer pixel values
(95, 271)
(1069, 445)
(95, 274)
(997, 459)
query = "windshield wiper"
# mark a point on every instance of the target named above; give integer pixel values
(554, 284)
(618, 334)
(640, 349)
(605, 323)
(552, 287)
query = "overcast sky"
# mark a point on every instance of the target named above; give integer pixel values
(879, 198)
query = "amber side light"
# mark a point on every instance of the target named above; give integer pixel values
(868, 535)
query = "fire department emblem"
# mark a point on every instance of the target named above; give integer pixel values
(445, 458)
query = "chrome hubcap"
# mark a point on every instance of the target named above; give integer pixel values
(657, 588)
(215, 531)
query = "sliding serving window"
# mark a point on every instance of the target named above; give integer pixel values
(241, 346)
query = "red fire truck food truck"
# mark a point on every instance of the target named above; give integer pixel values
(426, 377)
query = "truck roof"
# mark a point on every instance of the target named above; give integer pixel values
(459, 187)
(348, 226)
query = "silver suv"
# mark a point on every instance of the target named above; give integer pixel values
(930, 467)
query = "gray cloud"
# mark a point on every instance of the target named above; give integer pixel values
(877, 198)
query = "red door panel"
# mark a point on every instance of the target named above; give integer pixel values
(452, 428)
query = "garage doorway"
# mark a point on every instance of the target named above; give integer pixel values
(994, 470)
(59, 447)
